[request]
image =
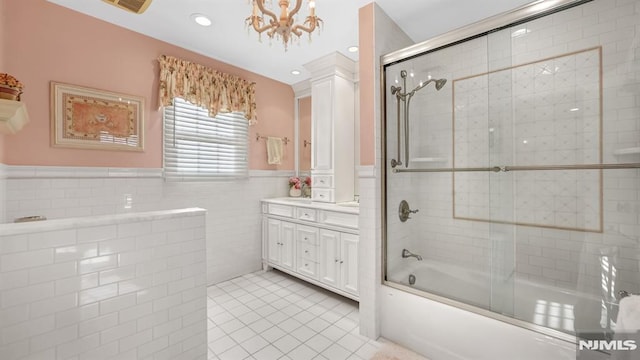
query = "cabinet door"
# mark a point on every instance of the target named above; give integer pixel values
(349, 263)
(329, 257)
(273, 240)
(287, 245)
(322, 125)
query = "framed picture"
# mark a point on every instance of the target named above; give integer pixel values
(88, 118)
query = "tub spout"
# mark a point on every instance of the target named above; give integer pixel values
(407, 254)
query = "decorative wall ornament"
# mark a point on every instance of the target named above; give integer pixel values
(87, 118)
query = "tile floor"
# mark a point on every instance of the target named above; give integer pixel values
(271, 315)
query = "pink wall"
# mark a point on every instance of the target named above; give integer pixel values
(49, 42)
(2, 68)
(367, 70)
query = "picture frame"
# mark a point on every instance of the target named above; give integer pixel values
(88, 118)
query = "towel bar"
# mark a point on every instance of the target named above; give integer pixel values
(285, 139)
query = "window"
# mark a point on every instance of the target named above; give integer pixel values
(199, 147)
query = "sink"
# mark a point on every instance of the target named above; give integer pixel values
(349, 204)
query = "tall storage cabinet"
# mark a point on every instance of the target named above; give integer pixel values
(333, 128)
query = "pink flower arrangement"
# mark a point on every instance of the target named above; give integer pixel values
(296, 183)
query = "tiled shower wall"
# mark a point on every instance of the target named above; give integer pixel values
(568, 259)
(233, 207)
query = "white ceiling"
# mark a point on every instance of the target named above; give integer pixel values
(229, 41)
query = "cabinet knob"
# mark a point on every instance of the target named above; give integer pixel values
(321, 195)
(306, 215)
(306, 251)
(306, 265)
(322, 181)
(306, 238)
(337, 260)
(341, 261)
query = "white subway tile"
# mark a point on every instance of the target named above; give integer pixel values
(135, 285)
(155, 319)
(52, 239)
(97, 294)
(97, 324)
(78, 346)
(51, 339)
(23, 260)
(53, 305)
(13, 243)
(116, 304)
(27, 329)
(97, 233)
(52, 272)
(117, 275)
(116, 246)
(133, 229)
(14, 315)
(109, 351)
(135, 312)
(153, 347)
(76, 315)
(136, 340)
(76, 283)
(117, 332)
(76, 252)
(97, 264)
(16, 350)
(26, 294)
(14, 279)
(151, 294)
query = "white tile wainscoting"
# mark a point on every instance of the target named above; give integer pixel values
(126, 286)
(62, 192)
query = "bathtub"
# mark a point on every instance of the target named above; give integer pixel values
(432, 324)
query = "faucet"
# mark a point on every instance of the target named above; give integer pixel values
(407, 254)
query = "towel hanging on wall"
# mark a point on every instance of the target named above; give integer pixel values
(274, 151)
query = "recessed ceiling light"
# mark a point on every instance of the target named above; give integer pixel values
(200, 19)
(574, 109)
(352, 49)
(295, 72)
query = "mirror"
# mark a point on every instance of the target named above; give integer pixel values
(304, 135)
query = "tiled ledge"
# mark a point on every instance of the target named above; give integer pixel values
(91, 221)
(74, 172)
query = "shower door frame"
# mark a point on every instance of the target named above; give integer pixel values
(482, 28)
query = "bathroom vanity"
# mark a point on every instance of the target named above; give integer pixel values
(316, 242)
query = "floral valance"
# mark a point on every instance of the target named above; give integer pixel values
(205, 87)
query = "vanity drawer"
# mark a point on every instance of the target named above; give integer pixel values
(323, 181)
(306, 214)
(307, 234)
(308, 268)
(307, 252)
(281, 210)
(323, 195)
(339, 219)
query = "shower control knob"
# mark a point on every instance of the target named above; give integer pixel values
(404, 211)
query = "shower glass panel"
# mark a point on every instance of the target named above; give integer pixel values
(517, 151)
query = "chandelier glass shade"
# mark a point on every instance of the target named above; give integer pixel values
(284, 26)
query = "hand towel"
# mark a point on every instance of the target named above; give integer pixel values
(629, 314)
(274, 151)
(627, 331)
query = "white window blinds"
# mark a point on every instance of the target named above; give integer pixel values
(198, 147)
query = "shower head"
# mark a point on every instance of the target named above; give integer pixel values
(440, 83)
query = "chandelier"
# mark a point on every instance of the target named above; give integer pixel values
(283, 27)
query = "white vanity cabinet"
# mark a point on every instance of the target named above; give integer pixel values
(339, 260)
(316, 242)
